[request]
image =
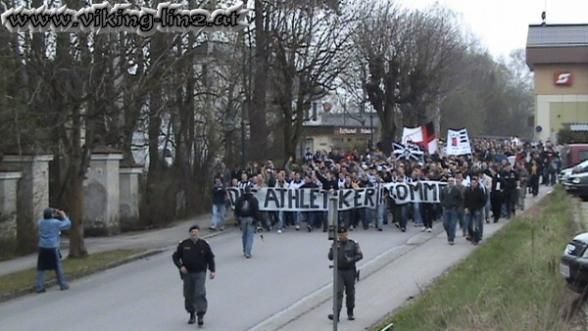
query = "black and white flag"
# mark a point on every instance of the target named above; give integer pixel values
(458, 142)
(407, 152)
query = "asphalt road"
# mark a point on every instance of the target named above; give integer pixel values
(147, 294)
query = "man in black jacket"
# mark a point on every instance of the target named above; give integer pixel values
(452, 202)
(247, 211)
(193, 256)
(474, 201)
(348, 253)
(511, 184)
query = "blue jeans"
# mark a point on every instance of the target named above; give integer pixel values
(281, 216)
(61, 280)
(487, 208)
(218, 215)
(247, 234)
(475, 225)
(403, 215)
(462, 221)
(382, 217)
(416, 213)
(449, 223)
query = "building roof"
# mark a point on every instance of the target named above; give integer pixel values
(557, 44)
(345, 120)
(557, 35)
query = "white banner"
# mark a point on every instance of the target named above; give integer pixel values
(458, 142)
(421, 191)
(412, 134)
(307, 199)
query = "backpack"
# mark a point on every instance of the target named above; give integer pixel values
(245, 207)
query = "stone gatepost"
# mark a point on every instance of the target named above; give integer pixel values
(8, 194)
(129, 198)
(101, 195)
(33, 196)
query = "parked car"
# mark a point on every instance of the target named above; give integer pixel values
(577, 184)
(578, 169)
(573, 265)
(573, 154)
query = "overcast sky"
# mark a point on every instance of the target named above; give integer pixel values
(501, 25)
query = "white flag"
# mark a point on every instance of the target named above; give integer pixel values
(412, 134)
(458, 142)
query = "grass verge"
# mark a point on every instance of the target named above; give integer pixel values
(510, 283)
(22, 282)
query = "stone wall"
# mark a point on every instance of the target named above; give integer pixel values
(101, 195)
(33, 195)
(129, 198)
(8, 204)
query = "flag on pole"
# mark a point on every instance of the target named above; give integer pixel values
(458, 142)
(422, 135)
(407, 151)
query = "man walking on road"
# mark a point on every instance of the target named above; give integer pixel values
(54, 221)
(348, 253)
(452, 202)
(193, 256)
(219, 200)
(474, 201)
(247, 211)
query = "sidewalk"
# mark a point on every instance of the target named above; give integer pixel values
(151, 239)
(413, 268)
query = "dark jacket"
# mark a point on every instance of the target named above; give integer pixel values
(474, 198)
(253, 206)
(348, 253)
(195, 256)
(219, 195)
(328, 184)
(509, 179)
(451, 197)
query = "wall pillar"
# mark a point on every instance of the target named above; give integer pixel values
(129, 198)
(101, 195)
(32, 196)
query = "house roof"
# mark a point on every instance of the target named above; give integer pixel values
(557, 43)
(557, 35)
(346, 120)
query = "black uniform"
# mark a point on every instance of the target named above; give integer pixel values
(510, 180)
(348, 252)
(196, 256)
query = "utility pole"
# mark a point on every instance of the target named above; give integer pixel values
(333, 217)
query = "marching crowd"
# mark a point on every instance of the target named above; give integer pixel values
(489, 184)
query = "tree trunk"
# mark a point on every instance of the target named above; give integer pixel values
(74, 207)
(387, 130)
(257, 119)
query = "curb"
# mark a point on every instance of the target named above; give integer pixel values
(323, 294)
(53, 282)
(386, 317)
(146, 253)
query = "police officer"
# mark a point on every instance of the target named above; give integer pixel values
(349, 253)
(193, 256)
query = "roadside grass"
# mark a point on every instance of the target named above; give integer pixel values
(510, 283)
(21, 282)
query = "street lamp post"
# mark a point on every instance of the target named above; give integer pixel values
(333, 217)
(371, 130)
(243, 136)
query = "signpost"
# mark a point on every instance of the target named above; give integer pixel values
(333, 218)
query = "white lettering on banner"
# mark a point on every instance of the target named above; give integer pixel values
(314, 199)
(421, 191)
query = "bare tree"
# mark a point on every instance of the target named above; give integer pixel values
(407, 55)
(310, 45)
